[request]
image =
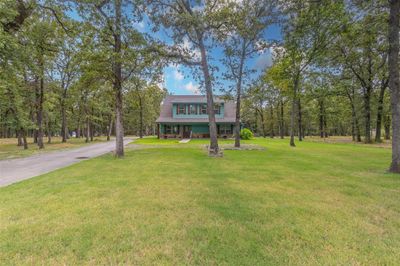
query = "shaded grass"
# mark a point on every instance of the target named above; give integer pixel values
(10, 150)
(314, 204)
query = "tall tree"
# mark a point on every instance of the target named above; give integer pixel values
(310, 28)
(65, 72)
(394, 81)
(116, 38)
(242, 39)
(194, 22)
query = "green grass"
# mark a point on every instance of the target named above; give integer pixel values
(316, 204)
(10, 150)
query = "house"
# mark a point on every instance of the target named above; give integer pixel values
(185, 116)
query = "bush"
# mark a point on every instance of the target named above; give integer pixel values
(246, 133)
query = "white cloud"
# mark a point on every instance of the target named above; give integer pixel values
(177, 74)
(192, 88)
(263, 61)
(139, 25)
(187, 46)
(276, 51)
(161, 84)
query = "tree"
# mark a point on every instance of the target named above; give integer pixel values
(242, 39)
(394, 81)
(364, 54)
(43, 41)
(116, 38)
(65, 72)
(194, 22)
(310, 28)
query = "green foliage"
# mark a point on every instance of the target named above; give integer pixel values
(246, 134)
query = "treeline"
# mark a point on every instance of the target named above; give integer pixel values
(330, 75)
(66, 77)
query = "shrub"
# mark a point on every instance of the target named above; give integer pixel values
(246, 133)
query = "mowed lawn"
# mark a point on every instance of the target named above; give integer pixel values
(10, 150)
(170, 204)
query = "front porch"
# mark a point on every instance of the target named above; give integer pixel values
(188, 131)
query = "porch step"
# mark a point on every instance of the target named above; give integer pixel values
(184, 140)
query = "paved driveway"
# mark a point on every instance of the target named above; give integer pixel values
(15, 170)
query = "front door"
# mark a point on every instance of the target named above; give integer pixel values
(186, 131)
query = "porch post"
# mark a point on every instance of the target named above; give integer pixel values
(180, 131)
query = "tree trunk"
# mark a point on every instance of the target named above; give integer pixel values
(87, 129)
(48, 131)
(264, 130)
(92, 129)
(256, 121)
(109, 131)
(214, 148)
(325, 127)
(140, 117)
(63, 119)
(272, 133)
(35, 138)
(300, 122)
(19, 136)
(321, 118)
(386, 125)
(367, 114)
(239, 95)
(119, 128)
(293, 111)
(379, 113)
(281, 121)
(263, 124)
(40, 99)
(394, 82)
(25, 142)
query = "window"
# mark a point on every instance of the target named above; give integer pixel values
(203, 109)
(217, 109)
(171, 129)
(181, 109)
(192, 109)
(225, 129)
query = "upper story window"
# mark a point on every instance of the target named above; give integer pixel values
(217, 109)
(181, 109)
(203, 109)
(192, 109)
(196, 108)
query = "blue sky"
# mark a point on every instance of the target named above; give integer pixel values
(178, 79)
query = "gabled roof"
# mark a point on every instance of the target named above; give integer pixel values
(166, 109)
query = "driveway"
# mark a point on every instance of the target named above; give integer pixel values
(15, 170)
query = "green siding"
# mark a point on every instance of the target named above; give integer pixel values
(200, 128)
(196, 128)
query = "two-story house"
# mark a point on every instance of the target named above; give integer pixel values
(185, 116)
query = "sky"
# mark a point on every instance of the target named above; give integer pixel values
(179, 80)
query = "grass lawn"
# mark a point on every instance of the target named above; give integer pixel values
(316, 204)
(10, 150)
